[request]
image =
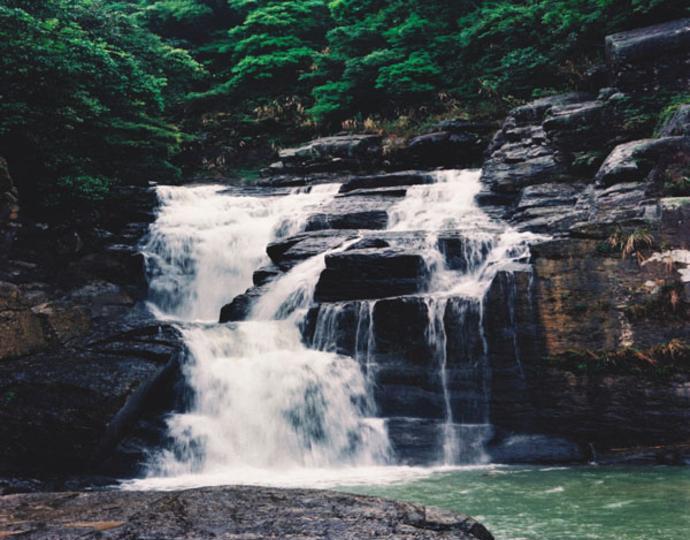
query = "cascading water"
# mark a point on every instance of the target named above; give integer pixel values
(262, 401)
(264, 404)
(464, 249)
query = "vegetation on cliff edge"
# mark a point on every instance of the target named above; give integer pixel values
(94, 92)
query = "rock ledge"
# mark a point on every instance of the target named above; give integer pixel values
(227, 512)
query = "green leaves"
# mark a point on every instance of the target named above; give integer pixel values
(83, 92)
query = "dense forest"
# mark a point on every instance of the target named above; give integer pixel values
(99, 92)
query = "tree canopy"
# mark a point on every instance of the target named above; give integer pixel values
(94, 92)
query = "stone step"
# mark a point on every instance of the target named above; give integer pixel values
(395, 179)
(371, 273)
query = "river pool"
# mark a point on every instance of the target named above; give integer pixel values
(559, 503)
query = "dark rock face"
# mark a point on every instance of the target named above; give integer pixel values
(238, 512)
(575, 297)
(9, 205)
(85, 373)
(633, 161)
(648, 58)
(404, 178)
(332, 153)
(370, 273)
(678, 124)
(65, 409)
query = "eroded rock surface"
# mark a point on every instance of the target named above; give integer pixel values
(230, 513)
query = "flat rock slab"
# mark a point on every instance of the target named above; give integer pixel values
(228, 513)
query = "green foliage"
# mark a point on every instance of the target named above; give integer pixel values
(84, 90)
(88, 188)
(94, 92)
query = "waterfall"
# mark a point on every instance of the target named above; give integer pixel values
(262, 401)
(264, 404)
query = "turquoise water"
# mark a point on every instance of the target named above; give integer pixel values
(532, 503)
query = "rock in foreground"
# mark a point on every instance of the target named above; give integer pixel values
(226, 512)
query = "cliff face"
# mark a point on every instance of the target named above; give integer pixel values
(603, 311)
(80, 358)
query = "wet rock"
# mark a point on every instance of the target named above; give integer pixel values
(462, 253)
(64, 410)
(393, 192)
(241, 306)
(255, 512)
(265, 274)
(535, 449)
(396, 179)
(353, 212)
(370, 273)
(288, 252)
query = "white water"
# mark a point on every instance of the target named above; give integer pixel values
(266, 409)
(206, 243)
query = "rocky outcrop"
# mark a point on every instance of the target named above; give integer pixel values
(451, 143)
(633, 161)
(91, 376)
(228, 512)
(370, 273)
(341, 152)
(589, 345)
(652, 58)
(85, 372)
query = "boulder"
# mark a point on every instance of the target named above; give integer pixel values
(645, 59)
(229, 512)
(65, 410)
(395, 179)
(370, 273)
(678, 124)
(333, 153)
(288, 252)
(633, 161)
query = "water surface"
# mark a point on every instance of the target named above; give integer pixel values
(558, 503)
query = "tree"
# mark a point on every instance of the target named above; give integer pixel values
(84, 90)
